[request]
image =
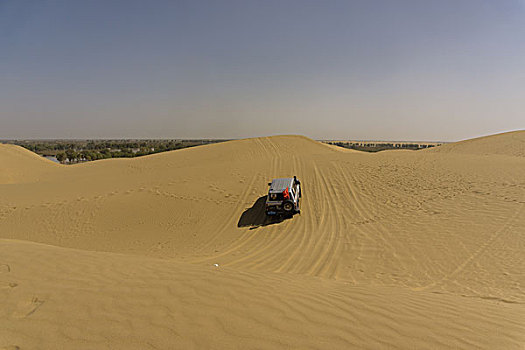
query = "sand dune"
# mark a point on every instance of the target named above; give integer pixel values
(391, 250)
(83, 300)
(18, 165)
(509, 144)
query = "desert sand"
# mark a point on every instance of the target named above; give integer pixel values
(392, 250)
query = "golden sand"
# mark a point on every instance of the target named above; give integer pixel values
(396, 249)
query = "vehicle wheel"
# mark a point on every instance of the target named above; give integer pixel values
(288, 206)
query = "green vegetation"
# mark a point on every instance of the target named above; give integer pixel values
(74, 151)
(381, 146)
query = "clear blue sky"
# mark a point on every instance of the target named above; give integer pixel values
(398, 70)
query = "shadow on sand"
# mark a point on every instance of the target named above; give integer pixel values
(255, 216)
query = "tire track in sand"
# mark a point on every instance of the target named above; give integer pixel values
(273, 241)
(248, 235)
(326, 262)
(231, 219)
(472, 257)
(293, 261)
(271, 254)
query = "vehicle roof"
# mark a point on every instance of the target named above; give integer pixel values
(279, 185)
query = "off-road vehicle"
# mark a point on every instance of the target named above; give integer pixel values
(283, 196)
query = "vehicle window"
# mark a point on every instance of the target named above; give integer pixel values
(276, 196)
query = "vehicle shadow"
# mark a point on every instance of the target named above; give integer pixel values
(255, 216)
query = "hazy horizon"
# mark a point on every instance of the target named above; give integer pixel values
(352, 70)
(239, 138)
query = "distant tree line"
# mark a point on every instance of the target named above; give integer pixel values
(380, 146)
(74, 151)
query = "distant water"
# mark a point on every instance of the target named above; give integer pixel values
(52, 158)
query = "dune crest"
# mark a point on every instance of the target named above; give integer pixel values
(18, 165)
(508, 143)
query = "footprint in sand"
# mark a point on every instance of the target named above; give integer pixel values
(27, 308)
(7, 285)
(4, 268)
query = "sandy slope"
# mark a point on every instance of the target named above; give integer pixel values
(394, 249)
(18, 165)
(63, 298)
(509, 144)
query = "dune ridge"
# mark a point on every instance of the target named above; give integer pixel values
(19, 165)
(509, 143)
(391, 250)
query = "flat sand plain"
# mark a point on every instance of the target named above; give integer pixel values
(392, 250)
